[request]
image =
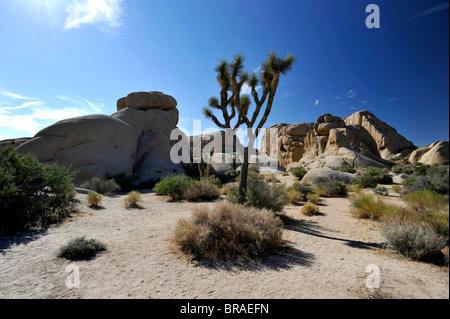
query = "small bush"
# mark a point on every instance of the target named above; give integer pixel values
(106, 187)
(81, 248)
(309, 209)
(313, 198)
(174, 186)
(381, 190)
(201, 191)
(333, 188)
(301, 189)
(396, 189)
(347, 169)
(433, 178)
(414, 240)
(369, 207)
(294, 196)
(299, 172)
(125, 181)
(94, 199)
(229, 232)
(260, 194)
(132, 199)
(372, 176)
(403, 168)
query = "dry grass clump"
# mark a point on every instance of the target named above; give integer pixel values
(310, 209)
(94, 199)
(313, 198)
(229, 232)
(81, 248)
(201, 191)
(132, 199)
(367, 206)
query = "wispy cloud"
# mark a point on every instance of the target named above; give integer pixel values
(440, 7)
(104, 13)
(316, 102)
(246, 89)
(350, 94)
(396, 99)
(14, 96)
(19, 117)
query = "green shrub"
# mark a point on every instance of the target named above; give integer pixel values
(132, 199)
(260, 194)
(332, 188)
(309, 209)
(434, 178)
(31, 193)
(299, 172)
(313, 198)
(81, 248)
(301, 189)
(367, 206)
(229, 232)
(347, 169)
(94, 199)
(174, 186)
(372, 176)
(414, 240)
(106, 187)
(403, 168)
(381, 190)
(125, 181)
(396, 189)
(201, 191)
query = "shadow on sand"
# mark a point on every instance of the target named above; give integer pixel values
(20, 238)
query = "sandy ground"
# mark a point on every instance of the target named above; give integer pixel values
(327, 257)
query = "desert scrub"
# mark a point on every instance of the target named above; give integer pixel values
(396, 189)
(367, 206)
(174, 186)
(299, 172)
(403, 168)
(380, 190)
(299, 190)
(294, 196)
(31, 193)
(433, 178)
(414, 240)
(124, 180)
(372, 176)
(201, 191)
(132, 199)
(229, 232)
(332, 188)
(106, 187)
(81, 248)
(346, 169)
(313, 198)
(94, 199)
(310, 209)
(260, 194)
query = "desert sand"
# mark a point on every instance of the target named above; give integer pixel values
(326, 257)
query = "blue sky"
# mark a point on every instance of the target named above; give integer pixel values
(56, 64)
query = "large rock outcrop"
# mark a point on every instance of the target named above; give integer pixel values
(389, 141)
(434, 154)
(328, 142)
(134, 139)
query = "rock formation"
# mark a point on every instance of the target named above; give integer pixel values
(388, 140)
(134, 139)
(328, 142)
(434, 154)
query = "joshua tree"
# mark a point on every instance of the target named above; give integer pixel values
(358, 149)
(231, 77)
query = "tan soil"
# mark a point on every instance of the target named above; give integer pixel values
(327, 258)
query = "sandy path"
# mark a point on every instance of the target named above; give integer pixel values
(327, 258)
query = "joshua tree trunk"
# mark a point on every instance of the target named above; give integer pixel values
(243, 180)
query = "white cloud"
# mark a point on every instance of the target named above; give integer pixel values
(440, 7)
(22, 106)
(14, 96)
(97, 107)
(246, 89)
(350, 94)
(317, 102)
(102, 12)
(396, 99)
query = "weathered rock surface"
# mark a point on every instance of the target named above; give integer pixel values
(434, 154)
(322, 175)
(328, 142)
(134, 139)
(388, 140)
